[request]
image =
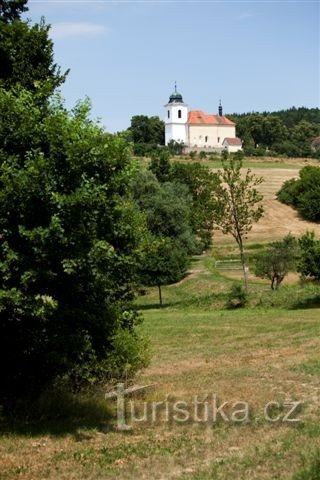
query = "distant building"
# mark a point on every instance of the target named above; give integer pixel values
(232, 144)
(198, 130)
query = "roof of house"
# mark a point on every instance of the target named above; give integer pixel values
(232, 141)
(197, 117)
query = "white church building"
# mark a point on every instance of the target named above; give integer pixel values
(198, 130)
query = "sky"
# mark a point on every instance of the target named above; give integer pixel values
(126, 55)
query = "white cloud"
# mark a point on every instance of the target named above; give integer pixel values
(73, 29)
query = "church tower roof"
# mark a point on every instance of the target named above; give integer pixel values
(176, 97)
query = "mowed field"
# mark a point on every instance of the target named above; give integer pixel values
(201, 352)
(278, 219)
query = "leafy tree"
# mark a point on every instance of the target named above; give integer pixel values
(26, 58)
(165, 216)
(164, 262)
(202, 184)
(69, 244)
(309, 263)
(304, 193)
(277, 261)
(302, 135)
(160, 165)
(239, 203)
(147, 130)
(11, 10)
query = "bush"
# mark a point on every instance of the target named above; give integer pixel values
(237, 297)
(304, 193)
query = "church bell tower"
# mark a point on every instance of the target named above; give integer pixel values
(176, 118)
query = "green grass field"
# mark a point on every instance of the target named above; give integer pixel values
(267, 352)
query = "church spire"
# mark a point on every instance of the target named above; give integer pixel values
(220, 109)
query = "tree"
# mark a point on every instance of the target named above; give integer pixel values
(202, 184)
(148, 130)
(160, 165)
(303, 193)
(309, 262)
(170, 240)
(165, 216)
(277, 261)
(239, 203)
(164, 262)
(11, 10)
(69, 245)
(26, 59)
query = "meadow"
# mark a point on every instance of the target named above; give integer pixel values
(265, 352)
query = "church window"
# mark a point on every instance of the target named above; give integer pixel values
(179, 113)
(218, 139)
(206, 139)
(168, 113)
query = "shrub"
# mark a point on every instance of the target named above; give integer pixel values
(237, 297)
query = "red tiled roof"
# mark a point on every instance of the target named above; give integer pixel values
(197, 117)
(233, 141)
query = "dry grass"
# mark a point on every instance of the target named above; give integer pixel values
(278, 219)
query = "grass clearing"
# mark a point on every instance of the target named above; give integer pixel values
(266, 352)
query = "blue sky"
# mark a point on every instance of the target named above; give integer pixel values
(126, 55)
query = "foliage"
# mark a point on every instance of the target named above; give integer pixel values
(164, 262)
(160, 165)
(147, 130)
(304, 193)
(202, 184)
(165, 216)
(309, 262)
(237, 297)
(239, 204)
(277, 261)
(166, 249)
(289, 132)
(69, 245)
(26, 58)
(11, 10)
(175, 148)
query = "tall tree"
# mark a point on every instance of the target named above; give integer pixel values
(69, 242)
(240, 205)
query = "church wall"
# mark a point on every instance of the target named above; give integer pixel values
(215, 135)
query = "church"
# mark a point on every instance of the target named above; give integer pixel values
(198, 130)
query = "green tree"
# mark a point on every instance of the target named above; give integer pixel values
(11, 10)
(302, 135)
(147, 130)
(277, 261)
(309, 262)
(240, 205)
(160, 165)
(202, 184)
(164, 262)
(26, 58)
(69, 245)
(304, 193)
(166, 217)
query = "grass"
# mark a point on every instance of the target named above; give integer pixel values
(266, 352)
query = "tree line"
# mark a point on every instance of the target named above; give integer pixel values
(287, 132)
